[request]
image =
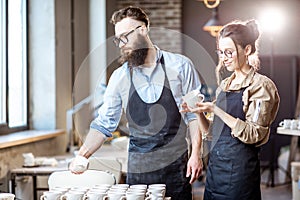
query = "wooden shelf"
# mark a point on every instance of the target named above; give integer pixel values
(284, 131)
(24, 137)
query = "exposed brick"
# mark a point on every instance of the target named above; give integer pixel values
(162, 13)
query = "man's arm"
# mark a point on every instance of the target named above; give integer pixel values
(195, 165)
(92, 143)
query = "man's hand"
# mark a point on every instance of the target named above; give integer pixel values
(194, 168)
(79, 164)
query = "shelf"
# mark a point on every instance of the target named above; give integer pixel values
(24, 137)
(284, 131)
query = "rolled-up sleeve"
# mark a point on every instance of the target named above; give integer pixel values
(109, 113)
(190, 82)
(261, 103)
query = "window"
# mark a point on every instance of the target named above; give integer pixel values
(13, 59)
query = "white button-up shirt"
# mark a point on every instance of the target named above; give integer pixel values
(149, 83)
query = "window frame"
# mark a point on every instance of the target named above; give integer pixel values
(4, 127)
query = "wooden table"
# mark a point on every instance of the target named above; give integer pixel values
(293, 146)
(34, 172)
(106, 151)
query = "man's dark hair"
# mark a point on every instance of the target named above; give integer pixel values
(135, 13)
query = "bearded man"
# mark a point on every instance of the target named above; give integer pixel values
(148, 87)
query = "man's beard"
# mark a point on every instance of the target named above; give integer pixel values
(137, 55)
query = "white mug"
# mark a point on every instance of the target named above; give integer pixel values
(114, 195)
(7, 196)
(142, 186)
(134, 196)
(136, 190)
(294, 124)
(156, 191)
(72, 195)
(157, 185)
(286, 123)
(155, 197)
(28, 159)
(102, 186)
(98, 190)
(79, 189)
(60, 189)
(120, 186)
(91, 195)
(51, 195)
(193, 97)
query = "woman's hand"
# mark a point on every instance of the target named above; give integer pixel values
(200, 107)
(205, 107)
(185, 108)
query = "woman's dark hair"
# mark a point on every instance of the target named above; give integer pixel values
(242, 34)
(135, 13)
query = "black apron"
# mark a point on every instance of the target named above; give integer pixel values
(157, 145)
(234, 169)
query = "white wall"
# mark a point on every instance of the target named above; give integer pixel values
(97, 56)
(42, 64)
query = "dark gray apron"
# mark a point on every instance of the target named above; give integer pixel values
(157, 146)
(233, 169)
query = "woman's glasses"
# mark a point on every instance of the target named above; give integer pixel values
(227, 52)
(123, 37)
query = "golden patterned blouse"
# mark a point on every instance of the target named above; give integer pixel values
(261, 103)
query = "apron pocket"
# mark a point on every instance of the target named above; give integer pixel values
(221, 174)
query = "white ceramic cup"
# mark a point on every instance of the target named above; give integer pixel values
(91, 195)
(155, 197)
(156, 191)
(294, 124)
(122, 186)
(51, 195)
(286, 123)
(117, 190)
(60, 189)
(114, 195)
(28, 159)
(137, 190)
(7, 196)
(72, 195)
(157, 185)
(102, 186)
(142, 186)
(134, 196)
(99, 190)
(193, 97)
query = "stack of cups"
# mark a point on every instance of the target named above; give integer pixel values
(73, 195)
(293, 124)
(108, 192)
(136, 192)
(156, 192)
(51, 195)
(55, 193)
(29, 159)
(116, 192)
(97, 192)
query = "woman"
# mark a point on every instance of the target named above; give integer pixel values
(246, 105)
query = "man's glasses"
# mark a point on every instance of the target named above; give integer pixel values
(123, 37)
(228, 53)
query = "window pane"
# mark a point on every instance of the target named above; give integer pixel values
(2, 64)
(17, 86)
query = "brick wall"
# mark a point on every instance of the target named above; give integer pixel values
(165, 21)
